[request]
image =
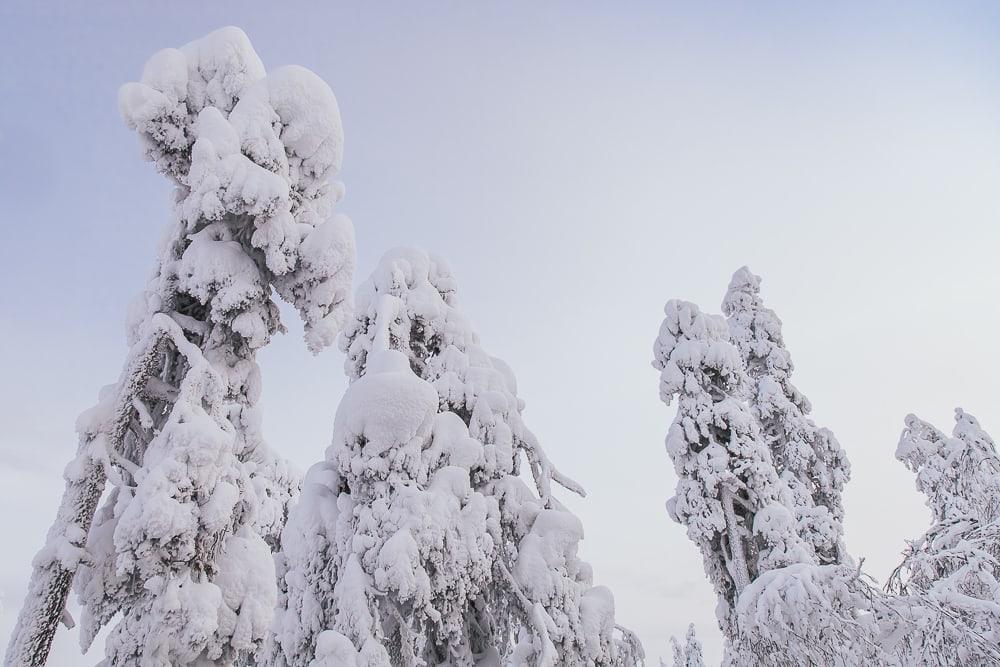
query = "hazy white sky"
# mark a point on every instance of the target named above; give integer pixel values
(578, 164)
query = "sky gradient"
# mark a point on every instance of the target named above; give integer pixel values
(577, 164)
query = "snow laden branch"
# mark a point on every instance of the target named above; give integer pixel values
(179, 551)
(416, 541)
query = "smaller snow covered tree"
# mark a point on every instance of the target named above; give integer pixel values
(809, 459)
(688, 655)
(180, 552)
(410, 542)
(948, 580)
(496, 577)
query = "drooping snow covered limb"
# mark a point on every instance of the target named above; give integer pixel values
(947, 584)
(180, 546)
(490, 572)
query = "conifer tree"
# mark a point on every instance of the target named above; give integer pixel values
(521, 595)
(948, 580)
(180, 551)
(778, 604)
(809, 459)
(688, 655)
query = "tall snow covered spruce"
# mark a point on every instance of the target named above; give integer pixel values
(779, 600)
(416, 541)
(948, 581)
(808, 459)
(180, 550)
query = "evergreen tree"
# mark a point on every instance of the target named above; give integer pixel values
(180, 549)
(688, 655)
(507, 586)
(948, 580)
(728, 493)
(809, 459)
(777, 603)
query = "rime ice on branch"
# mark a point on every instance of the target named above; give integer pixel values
(415, 541)
(181, 547)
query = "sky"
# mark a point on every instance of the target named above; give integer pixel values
(577, 164)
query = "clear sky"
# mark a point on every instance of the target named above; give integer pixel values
(578, 164)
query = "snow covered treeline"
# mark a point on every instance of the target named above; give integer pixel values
(179, 552)
(759, 491)
(432, 532)
(416, 541)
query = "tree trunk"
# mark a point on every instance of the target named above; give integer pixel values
(51, 579)
(51, 575)
(739, 570)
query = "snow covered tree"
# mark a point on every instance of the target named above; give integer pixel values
(948, 580)
(688, 655)
(180, 551)
(728, 493)
(778, 604)
(424, 545)
(809, 459)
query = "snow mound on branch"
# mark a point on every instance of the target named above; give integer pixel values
(388, 407)
(335, 650)
(245, 576)
(220, 66)
(779, 617)
(311, 136)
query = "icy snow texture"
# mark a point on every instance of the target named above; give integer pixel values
(181, 547)
(416, 539)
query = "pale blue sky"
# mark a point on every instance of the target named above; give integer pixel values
(578, 164)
